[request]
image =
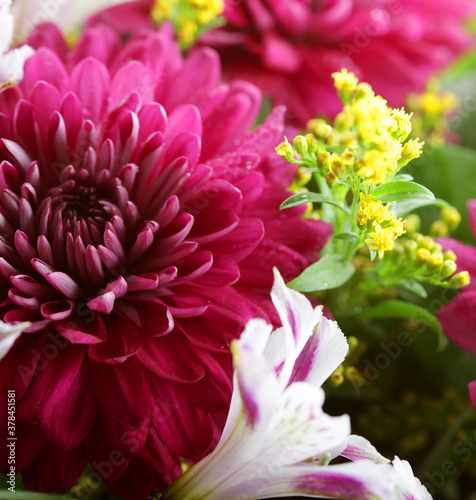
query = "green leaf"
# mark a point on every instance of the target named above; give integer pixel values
(414, 286)
(347, 236)
(331, 271)
(404, 207)
(27, 495)
(302, 198)
(401, 190)
(402, 177)
(406, 310)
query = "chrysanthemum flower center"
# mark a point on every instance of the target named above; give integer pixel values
(76, 202)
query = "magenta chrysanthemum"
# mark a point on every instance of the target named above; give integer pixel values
(289, 48)
(139, 224)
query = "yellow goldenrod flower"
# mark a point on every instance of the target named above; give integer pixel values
(345, 80)
(375, 166)
(411, 150)
(372, 213)
(403, 124)
(345, 83)
(381, 240)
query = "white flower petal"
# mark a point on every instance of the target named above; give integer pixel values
(258, 386)
(11, 64)
(322, 354)
(8, 336)
(295, 311)
(351, 481)
(408, 487)
(358, 448)
(6, 26)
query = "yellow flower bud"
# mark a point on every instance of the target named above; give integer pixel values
(331, 178)
(427, 242)
(435, 261)
(324, 160)
(450, 255)
(452, 217)
(320, 127)
(312, 144)
(345, 83)
(448, 268)
(286, 151)
(423, 255)
(460, 280)
(300, 145)
(439, 228)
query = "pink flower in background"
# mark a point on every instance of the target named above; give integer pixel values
(289, 48)
(458, 318)
(140, 221)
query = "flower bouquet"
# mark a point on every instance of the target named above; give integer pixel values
(233, 247)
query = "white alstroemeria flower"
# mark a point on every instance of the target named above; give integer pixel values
(66, 14)
(8, 336)
(277, 439)
(11, 61)
(408, 487)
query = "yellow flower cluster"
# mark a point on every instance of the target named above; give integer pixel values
(368, 125)
(385, 228)
(431, 110)
(188, 16)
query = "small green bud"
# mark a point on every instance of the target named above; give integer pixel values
(452, 217)
(435, 261)
(460, 280)
(427, 242)
(336, 379)
(448, 268)
(353, 343)
(439, 228)
(450, 255)
(300, 145)
(319, 127)
(312, 144)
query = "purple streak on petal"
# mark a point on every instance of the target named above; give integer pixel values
(333, 484)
